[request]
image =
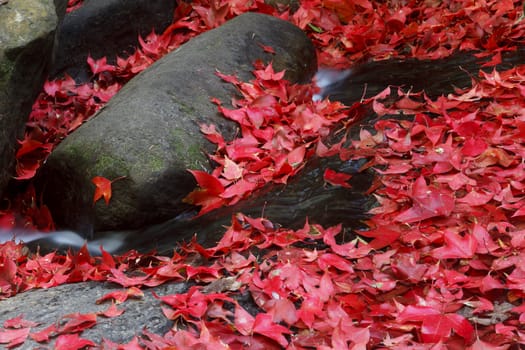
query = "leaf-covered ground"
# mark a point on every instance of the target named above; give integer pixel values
(442, 264)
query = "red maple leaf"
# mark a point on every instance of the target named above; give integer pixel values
(100, 65)
(78, 322)
(427, 202)
(456, 246)
(72, 342)
(436, 325)
(264, 325)
(13, 337)
(336, 178)
(121, 296)
(208, 194)
(103, 188)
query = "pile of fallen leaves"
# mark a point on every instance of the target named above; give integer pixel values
(441, 265)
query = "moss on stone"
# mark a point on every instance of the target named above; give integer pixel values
(156, 164)
(150, 164)
(6, 69)
(187, 150)
(90, 158)
(111, 166)
(185, 108)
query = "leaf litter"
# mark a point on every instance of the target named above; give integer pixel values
(441, 265)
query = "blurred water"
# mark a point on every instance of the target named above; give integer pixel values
(326, 77)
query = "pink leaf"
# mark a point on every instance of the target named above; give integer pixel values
(456, 247)
(264, 325)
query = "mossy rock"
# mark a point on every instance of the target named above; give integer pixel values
(27, 30)
(149, 133)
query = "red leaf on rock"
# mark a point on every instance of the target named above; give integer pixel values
(45, 334)
(203, 199)
(153, 45)
(327, 260)
(72, 342)
(112, 311)
(296, 156)
(382, 236)
(326, 288)
(8, 270)
(207, 195)
(492, 156)
(107, 259)
(239, 189)
(461, 326)
(213, 135)
(336, 178)
(126, 281)
(267, 48)
(406, 267)
(78, 322)
(14, 337)
(231, 171)
(133, 344)
(269, 74)
(28, 145)
(19, 322)
(29, 157)
(456, 181)
(103, 188)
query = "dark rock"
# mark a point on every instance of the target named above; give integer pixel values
(27, 29)
(61, 8)
(149, 132)
(370, 78)
(106, 28)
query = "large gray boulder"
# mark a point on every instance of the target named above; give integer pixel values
(27, 31)
(106, 28)
(49, 306)
(150, 134)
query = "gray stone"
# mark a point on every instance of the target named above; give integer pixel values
(149, 132)
(49, 306)
(26, 38)
(106, 28)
